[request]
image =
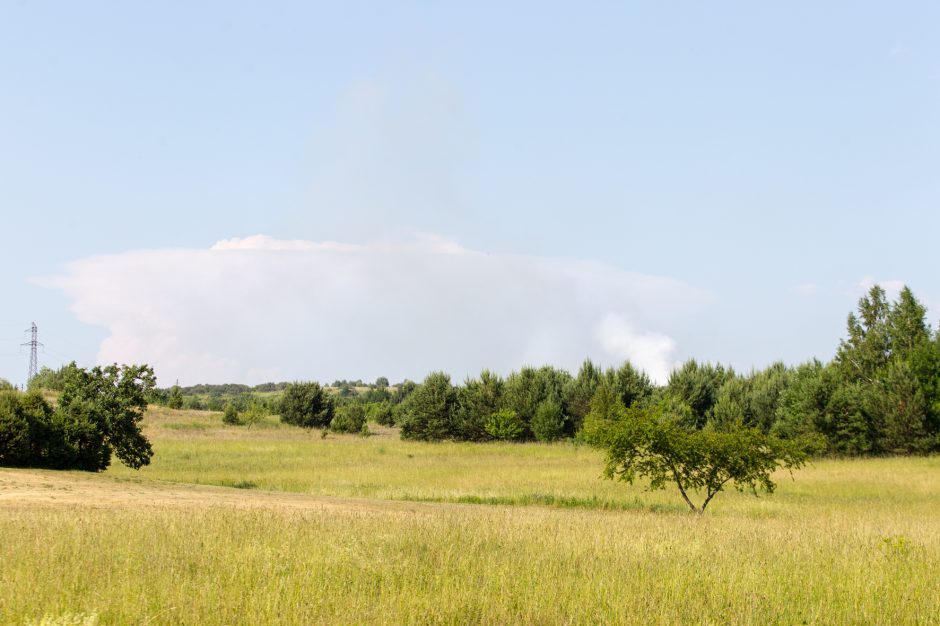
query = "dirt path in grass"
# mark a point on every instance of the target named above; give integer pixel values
(29, 488)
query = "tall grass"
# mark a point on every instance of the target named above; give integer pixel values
(545, 541)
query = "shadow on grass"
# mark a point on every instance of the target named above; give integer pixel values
(550, 500)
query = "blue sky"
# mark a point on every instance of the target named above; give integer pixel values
(719, 181)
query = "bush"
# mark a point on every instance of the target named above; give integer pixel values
(428, 413)
(505, 425)
(349, 419)
(382, 414)
(230, 414)
(548, 424)
(193, 403)
(175, 398)
(98, 413)
(307, 405)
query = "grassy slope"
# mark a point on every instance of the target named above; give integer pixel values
(847, 542)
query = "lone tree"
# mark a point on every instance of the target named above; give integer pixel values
(97, 414)
(652, 442)
(307, 405)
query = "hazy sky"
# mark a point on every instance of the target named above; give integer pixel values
(241, 192)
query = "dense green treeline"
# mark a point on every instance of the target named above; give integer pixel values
(879, 395)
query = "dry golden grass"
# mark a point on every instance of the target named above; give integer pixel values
(318, 540)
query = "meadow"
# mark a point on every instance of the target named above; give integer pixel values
(275, 524)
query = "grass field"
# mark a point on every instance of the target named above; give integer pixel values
(278, 525)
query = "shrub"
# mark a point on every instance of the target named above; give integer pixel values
(382, 414)
(505, 425)
(193, 403)
(548, 424)
(307, 405)
(349, 419)
(175, 399)
(230, 414)
(428, 413)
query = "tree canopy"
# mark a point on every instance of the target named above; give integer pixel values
(655, 442)
(306, 404)
(97, 414)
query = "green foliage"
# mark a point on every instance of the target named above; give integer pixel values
(307, 405)
(429, 411)
(900, 407)
(526, 389)
(751, 400)
(175, 399)
(802, 406)
(194, 403)
(652, 442)
(5, 385)
(476, 401)
(254, 411)
(230, 414)
(50, 379)
(15, 438)
(698, 386)
(549, 422)
(580, 391)
(97, 414)
(402, 392)
(505, 425)
(631, 385)
(103, 406)
(382, 414)
(349, 418)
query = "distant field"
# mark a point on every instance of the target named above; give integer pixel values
(278, 525)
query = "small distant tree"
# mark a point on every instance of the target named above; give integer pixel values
(653, 443)
(428, 413)
(230, 414)
(194, 403)
(307, 405)
(477, 399)
(631, 384)
(175, 399)
(548, 424)
(349, 418)
(49, 379)
(381, 382)
(382, 414)
(255, 411)
(505, 425)
(580, 391)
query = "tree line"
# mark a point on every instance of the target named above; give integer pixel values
(880, 394)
